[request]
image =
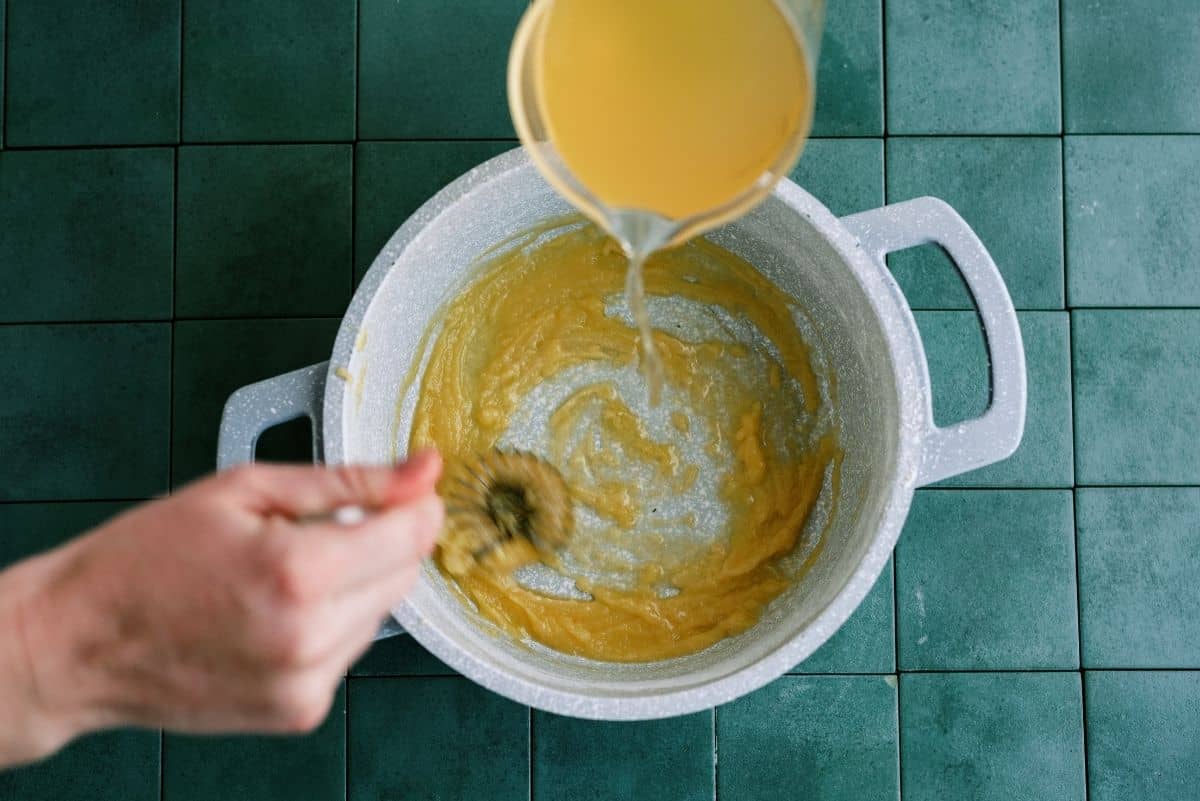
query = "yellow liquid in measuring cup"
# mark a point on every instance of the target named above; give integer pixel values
(677, 107)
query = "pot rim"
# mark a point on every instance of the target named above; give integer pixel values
(904, 348)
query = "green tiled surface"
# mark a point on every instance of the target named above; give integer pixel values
(811, 737)
(991, 736)
(850, 72)
(844, 174)
(985, 580)
(261, 70)
(30, 528)
(270, 768)
(140, 285)
(85, 411)
(1141, 735)
(88, 234)
(1136, 405)
(399, 656)
(435, 738)
(1139, 556)
(245, 248)
(983, 67)
(435, 70)
(1131, 67)
(393, 179)
(92, 72)
(958, 367)
(213, 358)
(1132, 207)
(1009, 189)
(574, 758)
(111, 766)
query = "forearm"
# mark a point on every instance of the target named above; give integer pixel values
(40, 709)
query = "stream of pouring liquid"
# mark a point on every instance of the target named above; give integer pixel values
(649, 362)
(668, 111)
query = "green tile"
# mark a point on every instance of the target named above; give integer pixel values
(1133, 220)
(1009, 190)
(958, 367)
(85, 411)
(1139, 577)
(985, 67)
(393, 179)
(215, 357)
(399, 656)
(1136, 406)
(312, 767)
(264, 230)
(436, 738)
(985, 580)
(823, 738)
(260, 70)
(435, 68)
(92, 72)
(850, 72)
(670, 758)
(844, 174)
(118, 765)
(87, 234)
(991, 736)
(1141, 735)
(30, 528)
(866, 643)
(1131, 68)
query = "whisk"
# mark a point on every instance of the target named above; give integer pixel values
(504, 509)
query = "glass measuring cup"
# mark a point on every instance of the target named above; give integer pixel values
(642, 230)
(660, 119)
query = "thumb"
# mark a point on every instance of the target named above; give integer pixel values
(300, 491)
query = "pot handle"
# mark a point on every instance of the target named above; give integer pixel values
(994, 436)
(254, 408)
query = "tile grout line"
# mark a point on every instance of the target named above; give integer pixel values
(162, 758)
(179, 114)
(529, 750)
(162, 734)
(357, 65)
(715, 755)
(172, 319)
(478, 139)
(883, 79)
(354, 147)
(4, 84)
(1083, 719)
(1062, 80)
(353, 220)
(1062, 155)
(1087, 790)
(273, 143)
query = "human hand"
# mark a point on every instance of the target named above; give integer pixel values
(225, 607)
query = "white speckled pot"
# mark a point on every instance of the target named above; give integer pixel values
(891, 443)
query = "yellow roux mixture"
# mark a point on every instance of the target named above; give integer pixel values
(546, 309)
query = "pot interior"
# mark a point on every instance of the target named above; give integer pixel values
(428, 261)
